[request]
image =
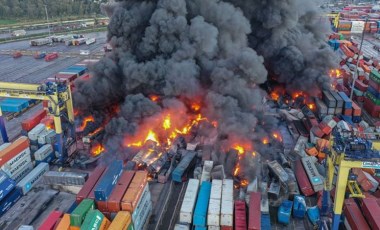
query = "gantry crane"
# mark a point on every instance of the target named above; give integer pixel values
(345, 160)
(60, 99)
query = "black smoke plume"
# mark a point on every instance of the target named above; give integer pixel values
(209, 51)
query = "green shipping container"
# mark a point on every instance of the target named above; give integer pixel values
(375, 76)
(130, 227)
(79, 213)
(93, 220)
(373, 98)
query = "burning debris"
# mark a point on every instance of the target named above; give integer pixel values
(191, 69)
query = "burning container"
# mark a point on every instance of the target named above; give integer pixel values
(50, 221)
(114, 202)
(200, 212)
(11, 199)
(80, 212)
(254, 221)
(188, 203)
(227, 208)
(108, 181)
(33, 177)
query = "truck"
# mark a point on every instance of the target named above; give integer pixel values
(18, 33)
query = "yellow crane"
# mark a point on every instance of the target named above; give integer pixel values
(60, 99)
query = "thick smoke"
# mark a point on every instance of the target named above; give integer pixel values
(202, 51)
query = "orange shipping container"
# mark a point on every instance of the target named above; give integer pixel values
(105, 224)
(12, 150)
(312, 151)
(64, 224)
(122, 221)
(74, 228)
(133, 194)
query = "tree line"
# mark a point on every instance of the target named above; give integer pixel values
(35, 9)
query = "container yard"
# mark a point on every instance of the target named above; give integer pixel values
(154, 126)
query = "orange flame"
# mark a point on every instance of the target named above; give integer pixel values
(85, 121)
(277, 136)
(97, 149)
(196, 107)
(151, 136)
(311, 106)
(265, 140)
(244, 183)
(239, 148)
(154, 98)
(275, 96)
(167, 123)
(237, 170)
(335, 73)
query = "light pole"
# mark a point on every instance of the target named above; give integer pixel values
(47, 18)
(357, 61)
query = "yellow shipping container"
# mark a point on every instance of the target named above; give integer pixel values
(122, 221)
(105, 224)
(64, 224)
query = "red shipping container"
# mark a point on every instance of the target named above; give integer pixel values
(254, 220)
(360, 79)
(34, 120)
(240, 215)
(118, 192)
(45, 104)
(347, 112)
(371, 211)
(356, 110)
(90, 183)
(226, 228)
(302, 179)
(101, 205)
(377, 194)
(68, 76)
(13, 149)
(85, 76)
(374, 84)
(50, 221)
(354, 216)
(361, 86)
(317, 131)
(325, 128)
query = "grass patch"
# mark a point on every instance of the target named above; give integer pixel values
(4, 22)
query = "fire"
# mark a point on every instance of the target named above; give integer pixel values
(265, 140)
(167, 123)
(85, 121)
(254, 154)
(275, 96)
(97, 149)
(277, 136)
(215, 124)
(154, 98)
(239, 148)
(311, 106)
(244, 183)
(237, 170)
(196, 107)
(335, 73)
(151, 136)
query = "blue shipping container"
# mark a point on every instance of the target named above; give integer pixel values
(200, 228)
(265, 221)
(183, 166)
(313, 214)
(284, 211)
(200, 212)
(10, 200)
(299, 207)
(72, 207)
(347, 101)
(108, 181)
(49, 158)
(374, 92)
(356, 119)
(6, 184)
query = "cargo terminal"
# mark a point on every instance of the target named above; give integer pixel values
(180, 120)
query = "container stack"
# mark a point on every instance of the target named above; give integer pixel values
(372, 96)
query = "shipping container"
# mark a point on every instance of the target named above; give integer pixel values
(254, 220)
(302, 179)
(23, 172)
(181, 227)
(33, 177)
(141, 213)
(313, 215)
(143, 202)
(80, 212)
(43, 152)
(200, 212)
(240, 215)
(90, 183)
(206, 171)
(7, 202)
(284, 212)
(356, 110)
(6, 185)
(14, 105)
(274, 190)
(315, 179)
(278, 171)
(122, 220)
(93, 220)
(328, 99)
(338, 99)
(33, 134)
(213, 213)
(371, 210)
(108, 181)
(64, 223)
(33, 121)
(227, 208)
(180, 172)
(354, 218)
(321, 106)
(133, 194)
(26, 227)
(18, 166)
(114, 202)
(347, 101)
(188, 203)
(65, 178)
(12, 150)
(50, 221)
(299, 208)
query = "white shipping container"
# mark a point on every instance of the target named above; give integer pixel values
(15, 160)
(4, 146)
(216, 189)
(373, 182)
(145, 195)
(143, 217)
(227, 207)
(33, 134)
(315, 178)
(206, 176)
(188, 204)
(264, 205)
(213, 228)
(213, 213)
(141, 211)
(33, 177)
(26, 227)
(181, 227)
(25, 170)
(43, 152)
(17, 167)
(300, 145)
(208, 165)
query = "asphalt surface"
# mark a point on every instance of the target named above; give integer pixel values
(28, 32)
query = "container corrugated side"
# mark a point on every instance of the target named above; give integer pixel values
(188, 204)
(79, 213)
(181, 227)
(33, 177)
(18, 166)
(10, 200)
(43, 152)
(108, 181)
(145, 195)
(33, 134)
(6, 185)
(4, 146)
(216, 189)
(25, 171)
(143, 216)
(132, 195)
(213, 213)
(10, 164)
(50, 221)
(93, 220)
(15, 148)
(118, 192)
(121, 221)
(64, 224)
(65, 178)
(227, 207)
(315, 179)
(139, 213)
(26, 227)
(200, 212)
(254, 220)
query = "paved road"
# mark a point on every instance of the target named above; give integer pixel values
(28, 32)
